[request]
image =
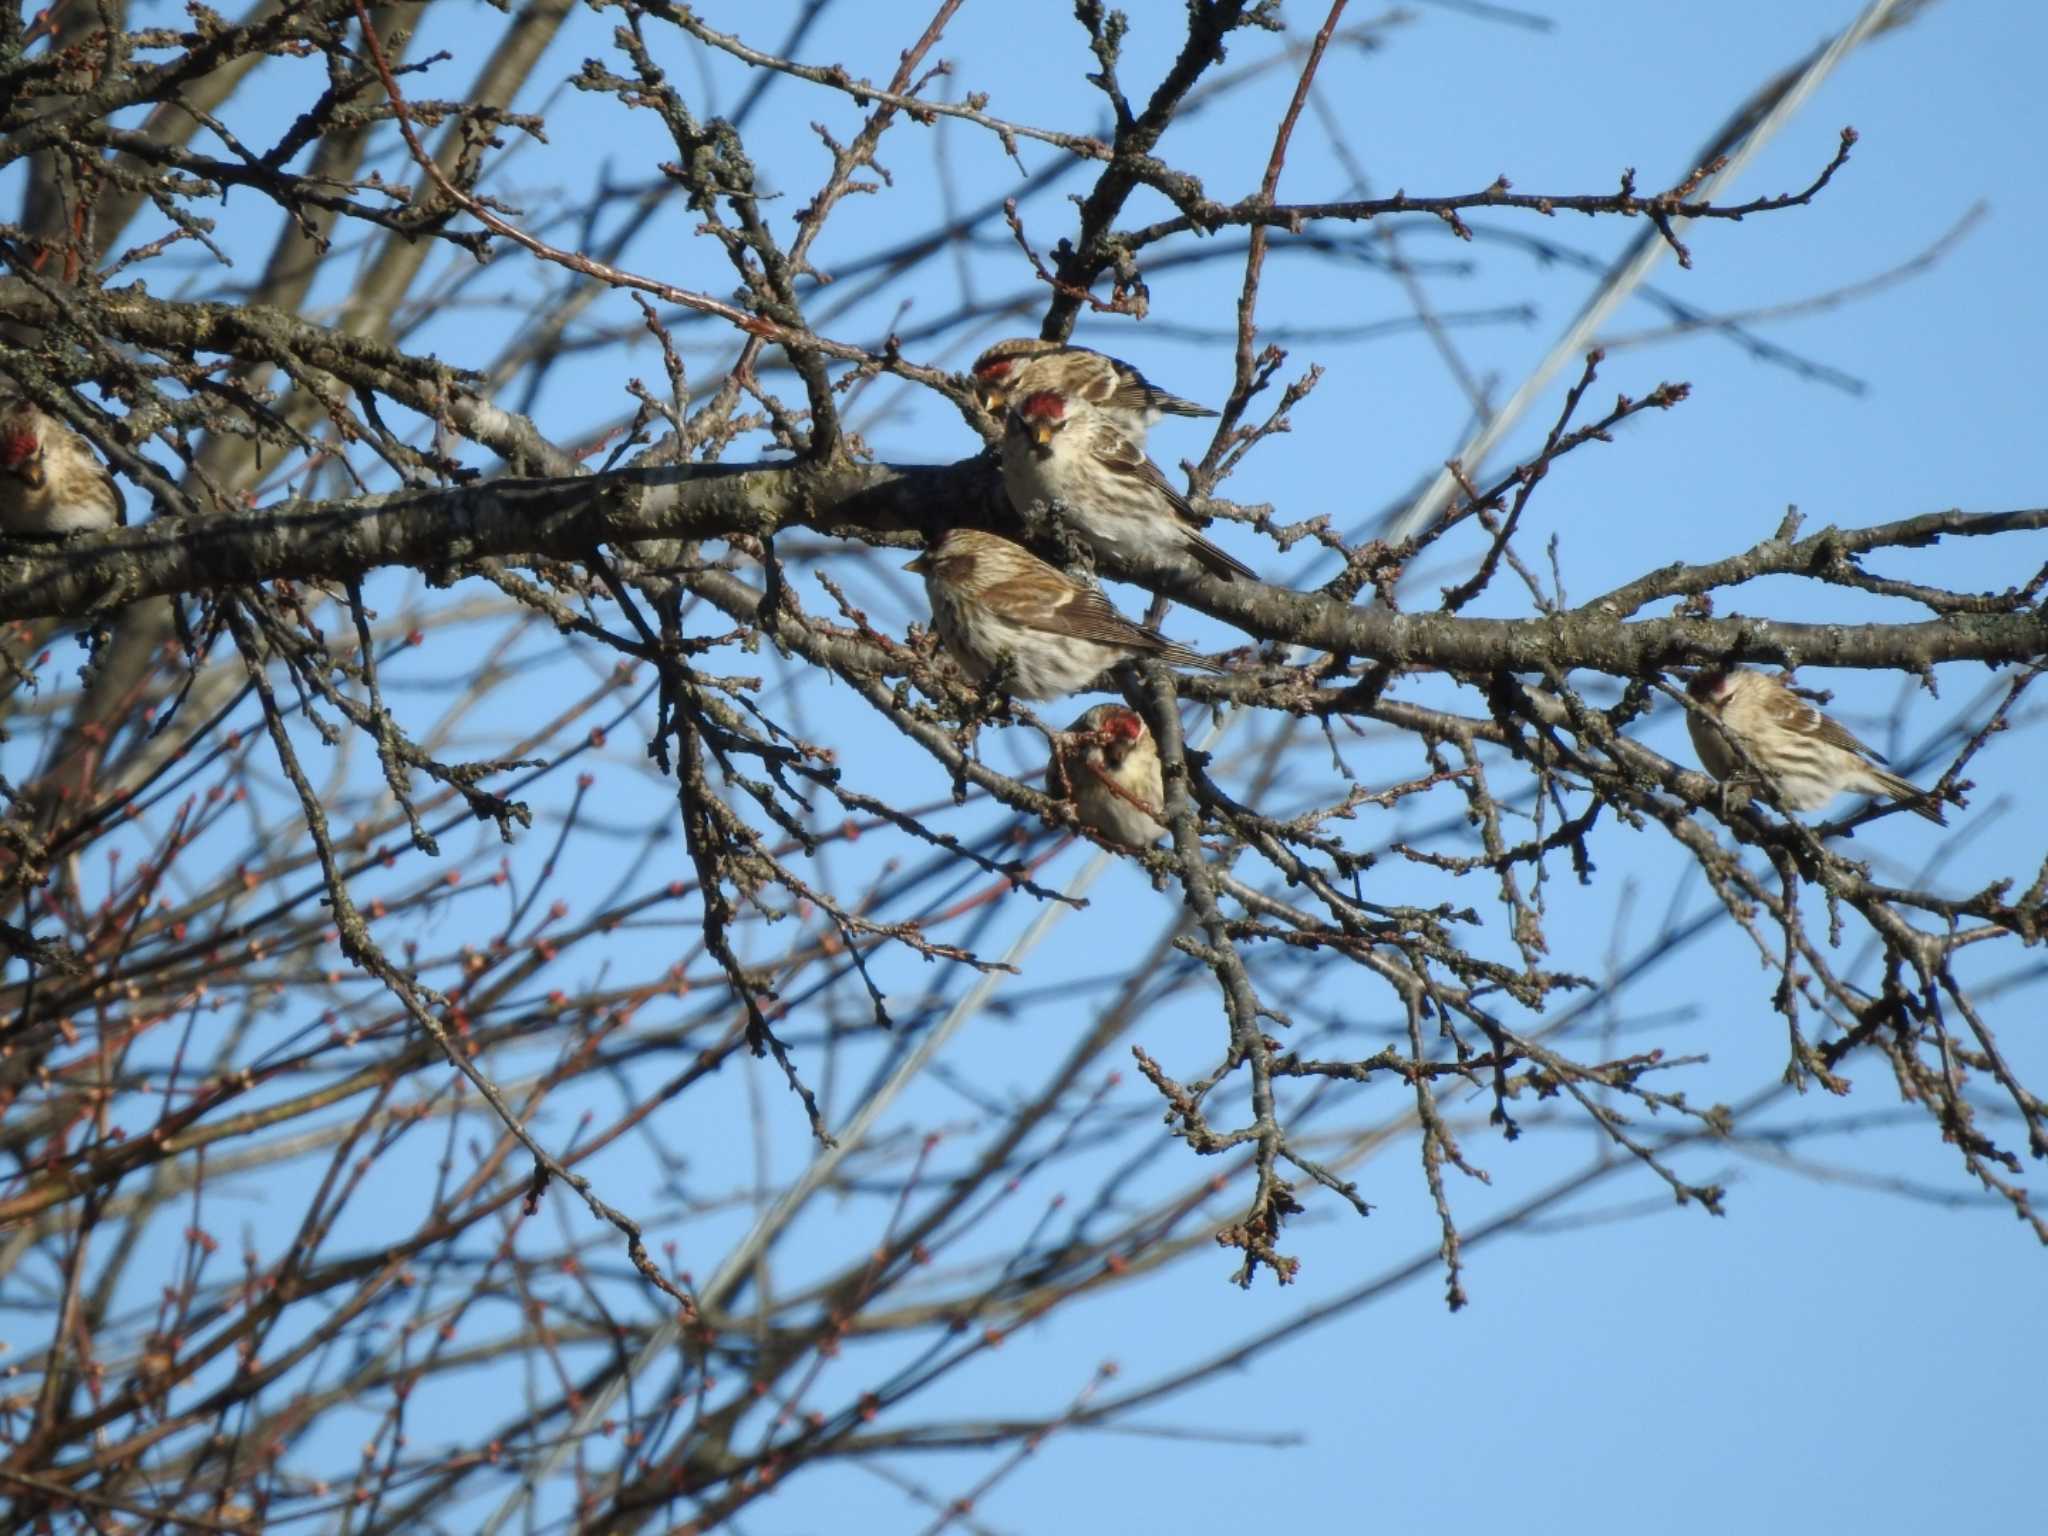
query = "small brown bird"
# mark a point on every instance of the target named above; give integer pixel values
(1808, 757)
(1057, 448)
(52, 485)
(1130, 400)
(1108, 765)
(993, 601)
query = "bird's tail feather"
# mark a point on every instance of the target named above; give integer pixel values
(1910, 795)
(1216, 561)
(1180, 656)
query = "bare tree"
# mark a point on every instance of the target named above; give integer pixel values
(451, 793)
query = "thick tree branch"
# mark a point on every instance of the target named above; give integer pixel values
(442, 531)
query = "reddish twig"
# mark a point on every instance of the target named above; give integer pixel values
(1255, 258)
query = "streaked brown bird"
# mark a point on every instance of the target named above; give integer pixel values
(1057, 448)
(1129, 399)
(997, 605)
(1108, 765)
(1808, 757)
(52, 484)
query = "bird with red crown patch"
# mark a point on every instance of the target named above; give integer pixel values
(1107, 764)
(1125, 396)
(52, 485)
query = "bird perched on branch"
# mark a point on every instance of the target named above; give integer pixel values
(1058, 448)
(52, 485)
(1130, 401)
(999, 608)
(1108, 765)
(1808, 757)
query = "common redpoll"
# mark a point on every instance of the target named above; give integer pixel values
(1108, 765)
(1057, 449)
(1109, 384)
(994, 602)
(1808, 757)
(51, 484)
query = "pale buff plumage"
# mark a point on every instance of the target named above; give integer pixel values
(51, 483)
(1058, 449)
(1808, 757)
(995, 605)
(1129, 399)
(1107, 763)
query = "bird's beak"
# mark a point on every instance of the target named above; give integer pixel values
(31, 473)
(919, 565)
(1042, 435)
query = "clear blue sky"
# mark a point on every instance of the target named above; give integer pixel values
(1826, 1356)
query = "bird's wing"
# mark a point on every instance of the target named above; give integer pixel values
(1836, 734)
(1124, 458)
(1120, 456)
(1081, 612)
(1132, 391)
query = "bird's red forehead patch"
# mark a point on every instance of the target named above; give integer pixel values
(1046, 405)
(994, 367)
(1709, 685)
(1124, 723)
(16, 445)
